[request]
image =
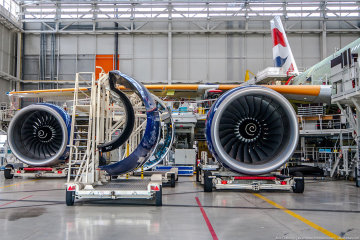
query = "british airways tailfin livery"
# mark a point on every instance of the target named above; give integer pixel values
(282, 54)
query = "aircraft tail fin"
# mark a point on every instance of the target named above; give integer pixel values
(282, 54)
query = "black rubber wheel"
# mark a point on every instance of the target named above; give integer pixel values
(197, 174)
(357, 180)
(299, 186)
(7, 171)
(70, 198)
(172, 180)
(158, 197)
(208, 184)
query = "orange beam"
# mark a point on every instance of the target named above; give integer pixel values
(188, 87)
(226, 87)
(50, 90)
(309, 90)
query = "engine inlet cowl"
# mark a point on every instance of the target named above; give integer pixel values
(252, 130)
(38, 134)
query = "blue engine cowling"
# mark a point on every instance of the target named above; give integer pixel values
(165, 144)
(151, 135)
(252, 130)
(38, 134)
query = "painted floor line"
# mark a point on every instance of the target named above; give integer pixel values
(194, 183)
(15, 201)
(299, 217)
(208, 223)
(11, 185)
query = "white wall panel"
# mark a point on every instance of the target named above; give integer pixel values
(235, 46)
(296, 44)
(180, 46)
(159, 46)
(86, 64)
(254, 65)
(159, 71)
(105, 44)
(32, 44)
(311, 46)
(235, 70)
(142, 70)
(198, 70)
(180, 70)
(5, 87)
(311, 24)
(332, 42)
(217, 70)
(86, 44)
(125, 47)
(255, 46)
(217, 46)
(268, 46)
(198, 46)
(125, 66)
(346, 39)
(8, 42)
(68, 44)
(196, 57)
(143, 46)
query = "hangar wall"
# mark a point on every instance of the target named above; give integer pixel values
(195, 58)
(7, 59)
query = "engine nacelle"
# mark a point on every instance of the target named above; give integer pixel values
(252, 130)
(38, 134)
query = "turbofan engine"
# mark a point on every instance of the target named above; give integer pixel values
(38, 134)
(252, 130)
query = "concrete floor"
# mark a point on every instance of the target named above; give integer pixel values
(36, 210)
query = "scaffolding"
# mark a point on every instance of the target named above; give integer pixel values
(345, 76)
(85, 179)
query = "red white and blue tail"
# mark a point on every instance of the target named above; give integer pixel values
(282, 53)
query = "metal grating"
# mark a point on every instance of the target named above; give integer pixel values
(125, 184)
(310, 110)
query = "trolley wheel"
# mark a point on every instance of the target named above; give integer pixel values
(70, 198)
(198, 174)
(158, 197)
(7, 171)
(208, 184)
(172, 180)
(299, 186)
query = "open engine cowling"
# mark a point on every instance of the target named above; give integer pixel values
(252, 130)
(38, 134)
(151, 135)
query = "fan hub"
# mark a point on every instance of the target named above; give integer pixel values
(249, 130)
(45, 133)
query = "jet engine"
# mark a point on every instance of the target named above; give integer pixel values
(252, 130)
(38, 135)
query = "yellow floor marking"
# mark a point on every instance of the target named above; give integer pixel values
(19, 183)
(192, 179)
(295, 215)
